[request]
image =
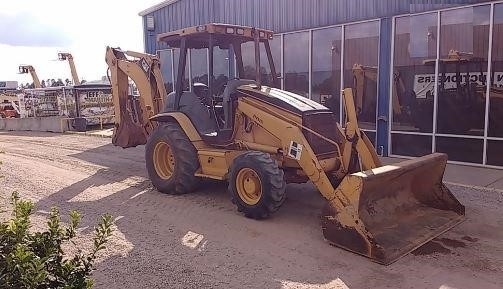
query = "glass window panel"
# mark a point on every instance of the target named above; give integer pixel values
(176, 59)
(221, 69)
(275, 45)
(199, 65)
(372, 137)
(496, 93)
(166, 69)
(461, 149)
(410, 145)
(461, 89)
(326, 70)
(415, 50)
(296, 54)
(248, 53)
(495, 152)
(361, 54)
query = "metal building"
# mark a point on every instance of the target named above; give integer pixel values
(389, 51)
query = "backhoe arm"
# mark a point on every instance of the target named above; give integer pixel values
(360, 73)
(30, 69)
(132, 117)
(356, 138)
(73, 70)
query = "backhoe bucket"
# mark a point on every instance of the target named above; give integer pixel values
(389, 211)
(128, 134)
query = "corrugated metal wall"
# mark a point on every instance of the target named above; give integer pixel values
(282, 15)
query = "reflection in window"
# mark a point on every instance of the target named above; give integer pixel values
(199, 65)
(275, 45)
(296, 66)
(372, 137)
(464, 38)
(495, 153)
(176, 59)
(413, 83)
(496, 93)
(221, 69)
(361, 54)
(410, 145)
(166, 69)
(461, 149)
(248, 53)
(326, 67)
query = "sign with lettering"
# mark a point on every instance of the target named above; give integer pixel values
(424, 84)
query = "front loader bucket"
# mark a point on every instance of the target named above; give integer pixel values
(389, 211)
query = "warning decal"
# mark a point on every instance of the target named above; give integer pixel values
(295, 150)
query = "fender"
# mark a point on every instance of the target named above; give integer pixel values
(183, 120)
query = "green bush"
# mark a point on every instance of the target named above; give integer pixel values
(36, 259)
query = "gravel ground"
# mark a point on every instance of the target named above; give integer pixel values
(199, 240)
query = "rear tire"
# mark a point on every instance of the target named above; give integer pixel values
(171, 160)
(257, 185)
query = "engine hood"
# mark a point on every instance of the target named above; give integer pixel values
(286, 100)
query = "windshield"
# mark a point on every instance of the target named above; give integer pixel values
(248, 52)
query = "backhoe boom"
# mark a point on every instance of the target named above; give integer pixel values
(132, 114)
(31, 70)
(68, 56)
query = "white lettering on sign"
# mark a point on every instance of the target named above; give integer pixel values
(424, 84)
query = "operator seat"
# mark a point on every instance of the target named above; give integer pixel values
(231, 87)
(198, 113)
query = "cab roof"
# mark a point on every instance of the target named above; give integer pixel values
(198, 35)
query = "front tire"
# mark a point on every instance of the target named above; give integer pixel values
(257, 185)
(171, 160)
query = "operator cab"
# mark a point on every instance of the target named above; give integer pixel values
(211, 105)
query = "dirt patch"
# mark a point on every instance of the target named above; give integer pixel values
(452, 243)
(431, 247)
(470, 239)
(199, 240)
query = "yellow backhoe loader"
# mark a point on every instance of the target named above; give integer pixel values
(260, 138)
(64, 56)
(31, 70)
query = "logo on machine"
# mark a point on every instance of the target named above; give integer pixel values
(144, 65)
(258, 119)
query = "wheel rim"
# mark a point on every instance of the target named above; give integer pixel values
(248, 186)
(164, 160)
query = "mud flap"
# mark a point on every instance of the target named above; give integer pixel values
(389, 211)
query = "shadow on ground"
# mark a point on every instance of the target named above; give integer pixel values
(30, 133)
(198, 240)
